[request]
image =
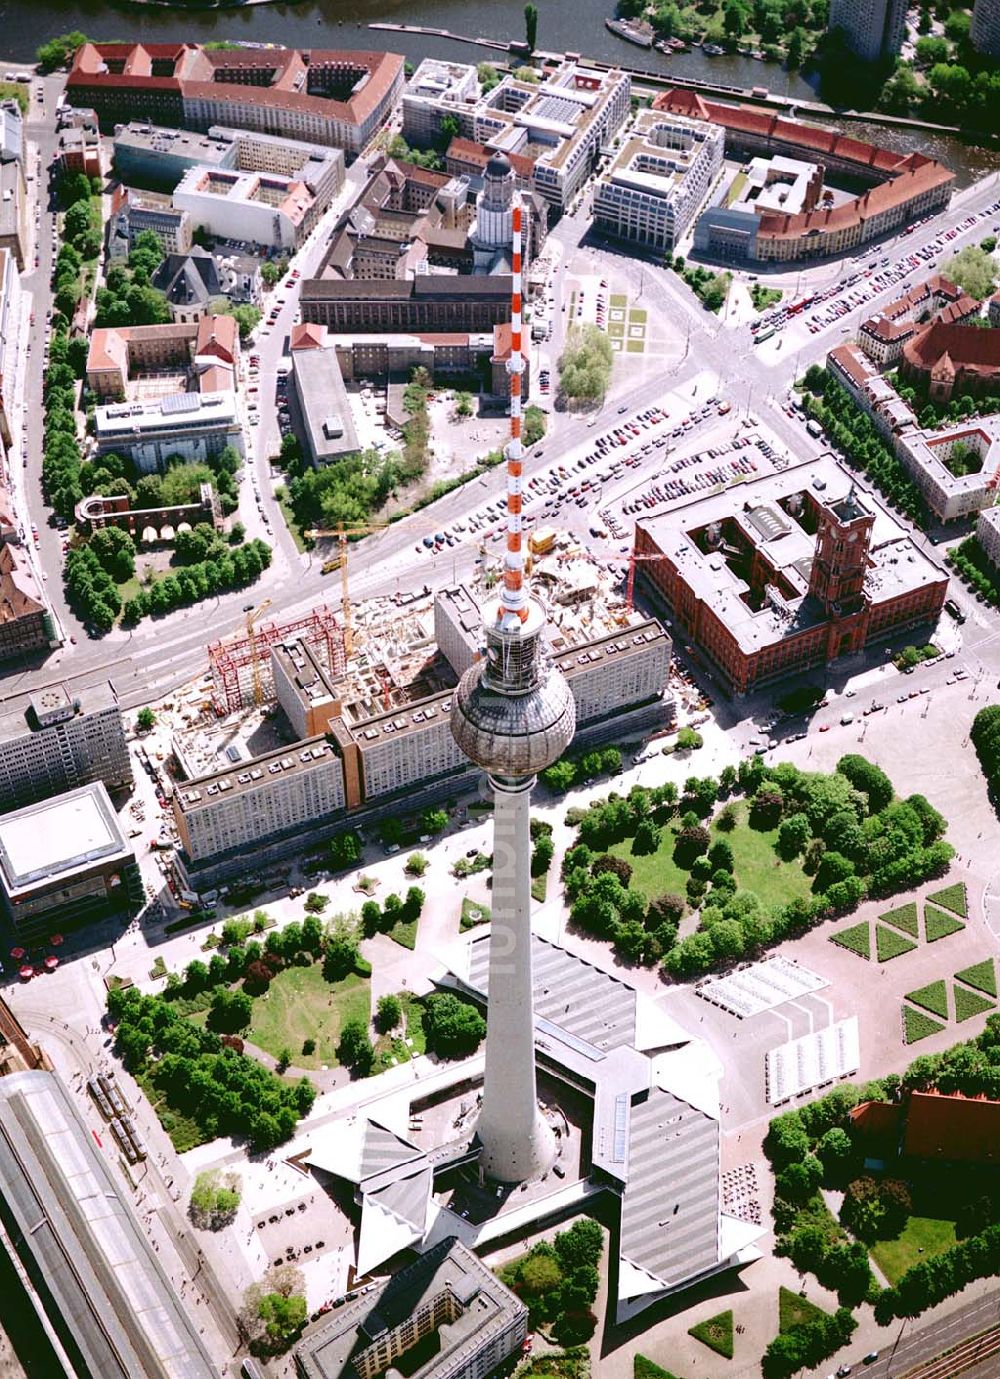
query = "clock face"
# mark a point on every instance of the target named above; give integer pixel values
(852, 536)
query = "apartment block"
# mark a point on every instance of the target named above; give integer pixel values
(659, 178)
(884, 335)
(54, 739)
(985, 32)
(924, 454)
(264, 209)
(139, 211)
(283, 793)
(873, 29)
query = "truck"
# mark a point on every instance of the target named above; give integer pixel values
(814, 428)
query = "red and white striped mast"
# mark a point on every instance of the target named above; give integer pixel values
(513, 606)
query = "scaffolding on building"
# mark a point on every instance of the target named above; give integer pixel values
(238, 665)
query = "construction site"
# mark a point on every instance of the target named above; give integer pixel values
(383, 655)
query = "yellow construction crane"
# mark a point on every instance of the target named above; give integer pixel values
(254, 667)
(343, 535)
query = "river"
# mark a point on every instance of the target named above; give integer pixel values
(579, 26)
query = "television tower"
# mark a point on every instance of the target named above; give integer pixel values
(514, 715)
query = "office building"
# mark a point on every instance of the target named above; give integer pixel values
(64, 861)
(80, 150)
(788, 572)
(899, 188)
(950, 492)
(262, 209)
(429, 302)
(322, 96)
(205, 355)
(52, 740)
(985, 31)
(562, 123)
(135, 212)
(11, 133)
(279, 794)
(81, 1261)
(447, 1296)
(194, 426)
(436, 90)
(442, 355)
(318, 402)
(873, 29)
(660, 176)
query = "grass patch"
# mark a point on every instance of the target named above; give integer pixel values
(301, 1004)
(917, 1025)
(637, 316)
(903, 917)
(939, 925)
(857, 938)
(642, 1368)
(618, 301)
(920, 1239)
(288, 513)
(635, 346)
(756, 865)
(932, 997)
(762, 297)
(404, 932)
(795, 1310)
(158, 969)
(889, 944)
(981, 975)
(616, 330)
(413, 1016)
(969, 1003)
(735, 188)
(716, 1333)
(473, 913)
(952, 898)
(539, 888)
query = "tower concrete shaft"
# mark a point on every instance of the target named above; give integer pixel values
(517, 1142)
(513, 714)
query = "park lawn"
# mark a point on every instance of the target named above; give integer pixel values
(903, 917)
(413, 1013)
(540, 888)
(917, 1025)
(889, 944)
(716, 1333)
(301, 1004)
(756, 866)
(921, 1233)
(932, 997)
(795, 1310)
(857, 939)
(937, 924)
(969, 1003)
(981, 975)
(952, 898)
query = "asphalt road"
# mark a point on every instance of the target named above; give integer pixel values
(158, 655)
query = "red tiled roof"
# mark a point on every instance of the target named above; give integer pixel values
(853, 363)
(217, 335)
(467, 151)
(194, 74)
(969, 349)
(306, 335)
(877, 1125)
(955, 1127)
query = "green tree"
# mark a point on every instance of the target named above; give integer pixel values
(389, 1014)
(345, 851)
(230, 1011)
(434, 820)
(355, 1049)
(585, 364)
(215, 1199)
(530, 26)
(145, 719)
(453, 1027)
(246, 316)
(283, 1319)
(973, 269)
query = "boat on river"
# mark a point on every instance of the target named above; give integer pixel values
(632, 30)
